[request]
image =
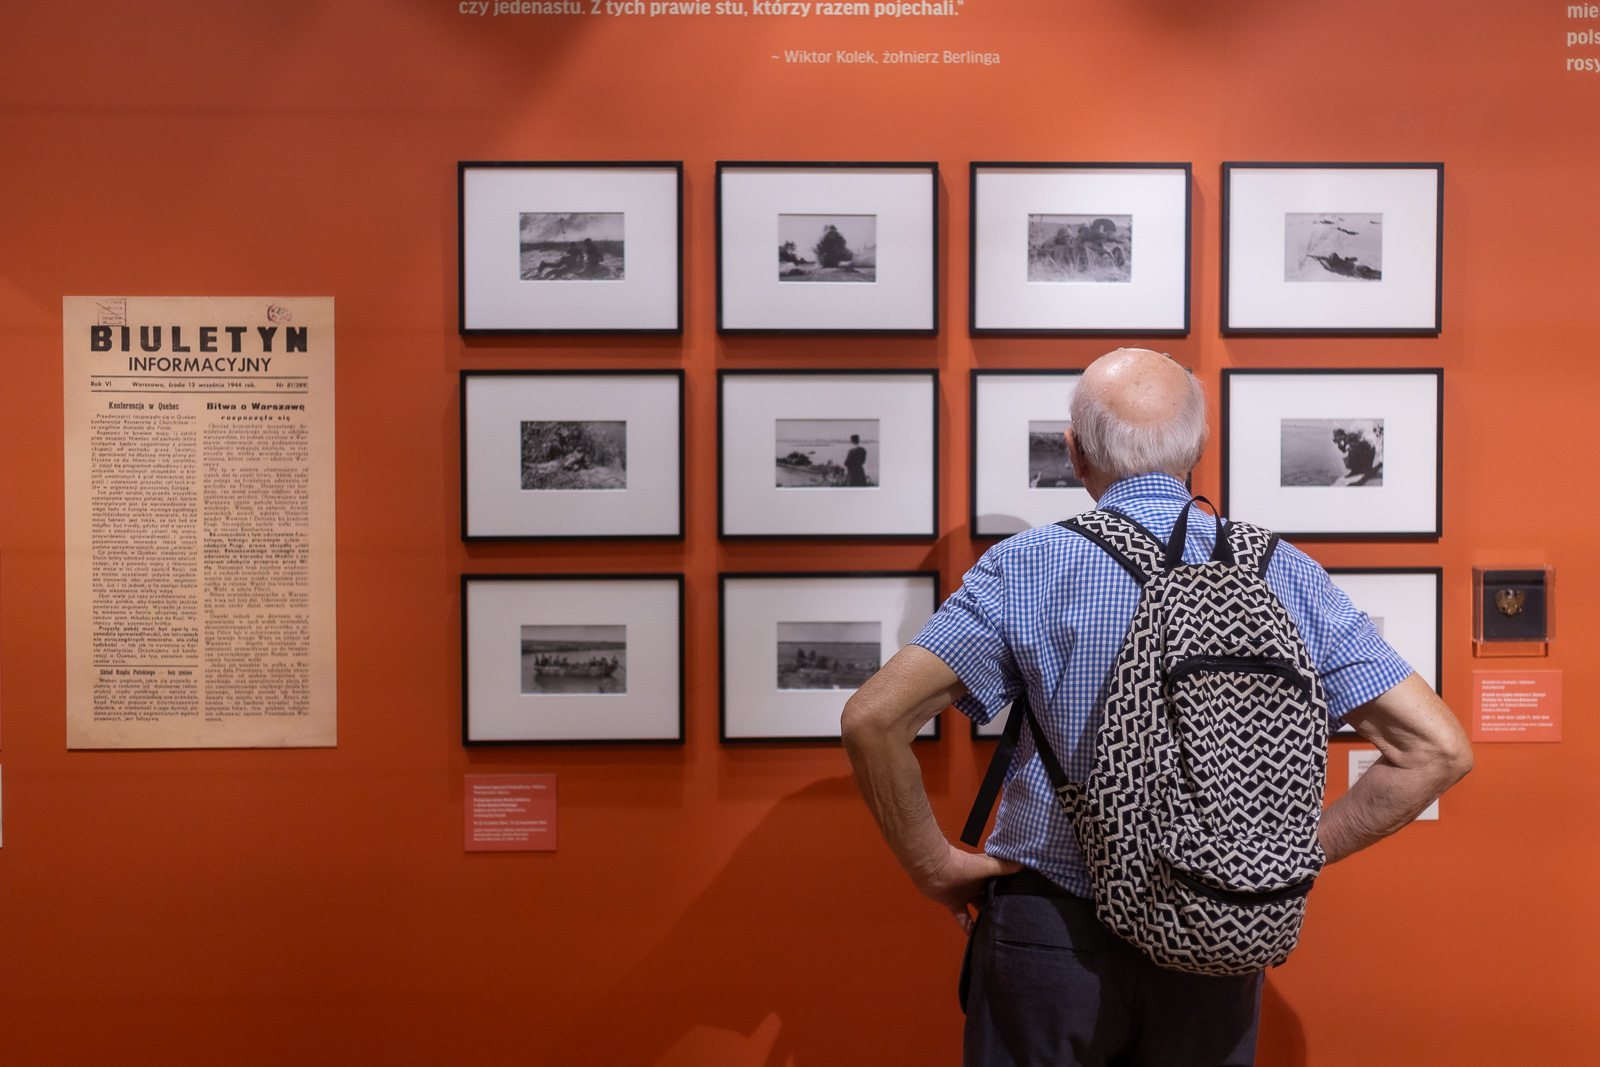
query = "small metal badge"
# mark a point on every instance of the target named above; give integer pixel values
(1509, 601)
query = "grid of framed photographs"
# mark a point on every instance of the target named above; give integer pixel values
(856, 248)
(1332, 248)
(1080, 248)
(571, 658)
(548, 247)
(805, 454)
(795, 646)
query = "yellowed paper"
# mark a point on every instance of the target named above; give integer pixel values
(200, 522)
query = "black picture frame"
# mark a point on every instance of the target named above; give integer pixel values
(1230, 328)
(931, 532)
(464, 281)
(722, 649)
(467, 580)
(1347, 733)
(467, 375)
(977, 529)
(973, 244)
(1355, 533)
(822, 168)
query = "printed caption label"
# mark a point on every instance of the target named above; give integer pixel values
(1516, 705)
(510, 812)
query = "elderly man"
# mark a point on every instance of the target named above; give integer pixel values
(1043, 613)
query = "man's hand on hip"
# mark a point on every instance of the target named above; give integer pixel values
(958, 882)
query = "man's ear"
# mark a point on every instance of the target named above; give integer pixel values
(1080, 462)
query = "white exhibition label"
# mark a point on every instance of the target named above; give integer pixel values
(199, 438)
(1361, 759)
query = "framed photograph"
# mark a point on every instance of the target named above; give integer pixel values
(828, 453)
(795, 646)
(570, 247)
(571, 454)
(828, 248)
(571, 658)
(1347, 454)
(1332, 248)
(1080, 249)
(1406, 604)
(1021, 473)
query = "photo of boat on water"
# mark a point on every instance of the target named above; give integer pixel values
(828, 655)
(1333, 247)
(827, 453)
(574, 659)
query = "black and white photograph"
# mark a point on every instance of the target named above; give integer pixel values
(1049, 463)
(1332, 247)
(553, 247)
(574, 659)
(1335, 453)
(796, 645)
(571, 455)
(827, 248)
(1347, 452)
(575, 455)
(1052, 249)
(857, 248)
(828, 655)
(1080, 248)
(571, 246)
(827, 453)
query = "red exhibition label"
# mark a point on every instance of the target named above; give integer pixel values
(1516, 705)
(510, 812)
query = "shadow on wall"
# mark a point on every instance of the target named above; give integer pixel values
(786, 962)
(785, 959)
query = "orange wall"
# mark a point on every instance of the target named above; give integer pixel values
(715, 906)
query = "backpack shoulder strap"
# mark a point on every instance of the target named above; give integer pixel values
(995, 777)
(1251, 546)
(1134, 548)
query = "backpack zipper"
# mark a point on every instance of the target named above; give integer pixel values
(1240, 665)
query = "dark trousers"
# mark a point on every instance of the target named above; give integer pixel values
(1045, 984)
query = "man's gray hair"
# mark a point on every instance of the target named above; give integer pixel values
(1121, 449)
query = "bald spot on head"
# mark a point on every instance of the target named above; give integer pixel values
(1138, 386)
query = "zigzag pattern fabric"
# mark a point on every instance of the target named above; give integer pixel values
(1199, 818)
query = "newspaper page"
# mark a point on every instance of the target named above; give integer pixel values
(200, 522)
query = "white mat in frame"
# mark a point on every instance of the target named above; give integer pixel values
(1016, 418)
(900, 199)
(498, 293)
(1270, 418)
(1147, 295)
(758, 703)
(753, 407)
(502, 501)
(512, 625)
(1390, 214)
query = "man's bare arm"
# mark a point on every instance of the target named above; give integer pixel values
(1423, 752)
(879, 723)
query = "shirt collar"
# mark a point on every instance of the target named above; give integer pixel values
(1159, 486)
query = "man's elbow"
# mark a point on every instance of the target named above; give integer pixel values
(1458, 758)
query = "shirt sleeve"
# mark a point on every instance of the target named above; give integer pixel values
(966, 633)
(1354, 662)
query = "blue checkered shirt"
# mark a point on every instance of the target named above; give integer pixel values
(1047, 610)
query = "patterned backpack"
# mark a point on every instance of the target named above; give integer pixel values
(1199, 818)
